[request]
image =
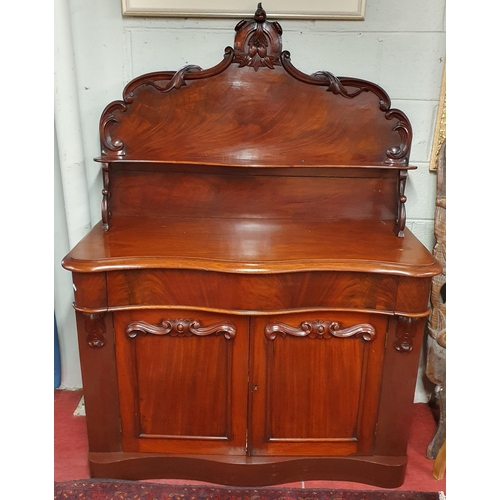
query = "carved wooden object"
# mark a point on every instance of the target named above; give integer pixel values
(95, 328)
(180, 328)
(436, 341)
(319, 329)
(258, 301)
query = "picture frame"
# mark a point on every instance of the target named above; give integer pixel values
(440, 127)
(277, 9)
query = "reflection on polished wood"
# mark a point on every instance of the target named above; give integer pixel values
(251, 309)
(252, 246)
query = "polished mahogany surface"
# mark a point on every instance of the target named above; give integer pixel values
(252, 246)
(251, 309)
(154, 119)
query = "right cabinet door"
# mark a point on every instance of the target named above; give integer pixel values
(315, 383)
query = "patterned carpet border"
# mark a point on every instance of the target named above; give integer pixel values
(104, 489)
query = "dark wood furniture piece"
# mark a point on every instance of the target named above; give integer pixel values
(252, 307)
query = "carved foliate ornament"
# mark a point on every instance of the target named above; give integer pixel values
(258, 43)
(319, 329)
(405, 333)
(95, 327)
(181, 328)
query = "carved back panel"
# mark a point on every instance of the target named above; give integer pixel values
(255, 108)
(255, 111)
(243, 117)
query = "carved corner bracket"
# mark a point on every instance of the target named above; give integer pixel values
(181, 328)
(319, 329)
(405, 333)
(95, 326)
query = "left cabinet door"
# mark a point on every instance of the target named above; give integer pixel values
(183, 378)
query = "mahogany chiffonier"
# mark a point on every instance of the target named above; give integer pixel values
(251, 309)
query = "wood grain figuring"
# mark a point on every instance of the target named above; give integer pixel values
(165, 404)
(100, 389)
(412, 297)
(307, 377)
(397, 392)
(233, 292)
(156, 194)
(247, 246)
(384, 472)
(318, 126)
(90, 290)
(251, 307)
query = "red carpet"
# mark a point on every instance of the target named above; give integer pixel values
(132, 490)
(71, 447)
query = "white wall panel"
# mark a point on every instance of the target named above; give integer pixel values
(421, 193)
(411, 65)
(99, 57)
(161, 49)
(333, 52)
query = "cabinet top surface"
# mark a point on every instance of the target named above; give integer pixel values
(251, 246)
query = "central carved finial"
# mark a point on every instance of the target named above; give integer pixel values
(258, 43)
(260, 13)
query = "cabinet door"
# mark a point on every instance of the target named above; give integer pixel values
(183, 379)
(315, 383)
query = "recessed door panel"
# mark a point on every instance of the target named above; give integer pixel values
(315, 383)
(181, 388)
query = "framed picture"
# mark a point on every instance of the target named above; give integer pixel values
(277, 9)
(440, 128)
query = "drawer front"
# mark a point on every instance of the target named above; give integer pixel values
(183, 381)
(252, 293)
(315, 383)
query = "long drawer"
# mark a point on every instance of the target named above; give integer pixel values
(250, 293)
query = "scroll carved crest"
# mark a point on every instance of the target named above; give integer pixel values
(181, 328)
(319, 329)
(258, 43)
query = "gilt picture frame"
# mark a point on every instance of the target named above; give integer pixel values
(440, 127)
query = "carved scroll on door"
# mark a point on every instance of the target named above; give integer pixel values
(181, 328)
(320, 329)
